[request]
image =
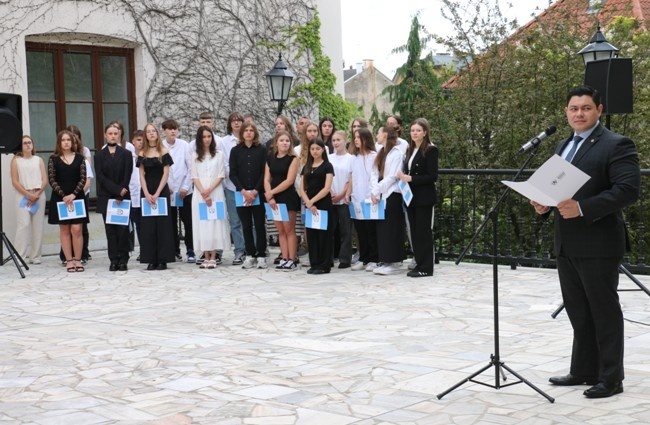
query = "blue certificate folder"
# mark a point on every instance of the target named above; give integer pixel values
(118, 212)
(151, 211)
(367, 210)
(176, 200)
(215, 212)
(318, 222)
(239, 200)
(279, 214)
(32, 209)
(407, 193)
(76, 210)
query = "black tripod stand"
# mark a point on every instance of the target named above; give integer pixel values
(495, 359)
(13, 254)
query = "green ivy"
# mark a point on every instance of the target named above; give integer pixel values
(321, 88)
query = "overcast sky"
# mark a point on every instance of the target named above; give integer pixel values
(372, 28)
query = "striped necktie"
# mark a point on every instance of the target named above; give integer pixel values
(572, 152)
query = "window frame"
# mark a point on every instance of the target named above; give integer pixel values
(96, 53)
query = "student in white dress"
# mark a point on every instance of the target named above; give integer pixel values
(208, 174)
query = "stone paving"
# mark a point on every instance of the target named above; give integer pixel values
(232, 346)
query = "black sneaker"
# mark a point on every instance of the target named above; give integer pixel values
(179, 257)
(417, 273)
(218, 259)
(288, 266)
(239, 260)
(278, 260)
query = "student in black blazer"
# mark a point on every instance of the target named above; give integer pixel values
(421, 173)
(590, 240)
(113, 168)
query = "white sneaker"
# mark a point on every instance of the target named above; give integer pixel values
(371, 266)
(249, 263)
(386, 269)
(358, 266)
(261, 263)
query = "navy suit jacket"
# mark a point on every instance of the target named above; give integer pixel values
(424, 174)
(612, 163)
(113, 173)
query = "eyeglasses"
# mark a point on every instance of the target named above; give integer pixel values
(27, 142)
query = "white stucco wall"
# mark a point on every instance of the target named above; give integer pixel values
(331, 33)
(242, 58)
(65, 22)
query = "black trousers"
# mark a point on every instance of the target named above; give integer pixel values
(185, 213)
(255, 215)
(342, 224)
(589, 294)
(320, 245)
(367, 240)
(117, 239)
(391, 231)
(422, 237)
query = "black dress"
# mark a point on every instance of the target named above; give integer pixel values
(157, 234)
(279, 169)
(320, 241)
(66, 179)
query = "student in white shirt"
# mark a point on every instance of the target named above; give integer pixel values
(363, 150)
(137, 142)
(180, 183)
(225, 145)
(341, 160)
(384, 183)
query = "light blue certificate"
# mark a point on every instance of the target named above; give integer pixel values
(318, 221)
(239, 200)
(159, 209)
(279, 214)
(216, 211)
(118, 212)
(76, 210)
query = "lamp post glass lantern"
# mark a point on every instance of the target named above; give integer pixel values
(598, 48)
(279, 80)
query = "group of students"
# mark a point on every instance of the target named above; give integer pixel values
(312, 183)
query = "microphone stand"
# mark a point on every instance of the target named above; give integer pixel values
(495, 359)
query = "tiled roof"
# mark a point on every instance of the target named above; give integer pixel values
(580, 11)
(581, 15)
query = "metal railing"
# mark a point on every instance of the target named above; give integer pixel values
(465, 197)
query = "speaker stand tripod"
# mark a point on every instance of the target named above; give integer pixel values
(13, 254)
(495, 359)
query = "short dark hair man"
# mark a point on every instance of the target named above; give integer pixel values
(590, 240)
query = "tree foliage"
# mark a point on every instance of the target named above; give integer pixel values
(512, 88)
(417, 79)
(319, 90)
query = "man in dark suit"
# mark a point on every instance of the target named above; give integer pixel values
(590, 240)
(113, 167)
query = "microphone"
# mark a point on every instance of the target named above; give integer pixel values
(532, 143)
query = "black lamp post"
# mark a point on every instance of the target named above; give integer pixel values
(279, 81)
(598, 48)
(609, 74)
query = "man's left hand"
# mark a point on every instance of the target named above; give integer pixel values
(569, 208)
